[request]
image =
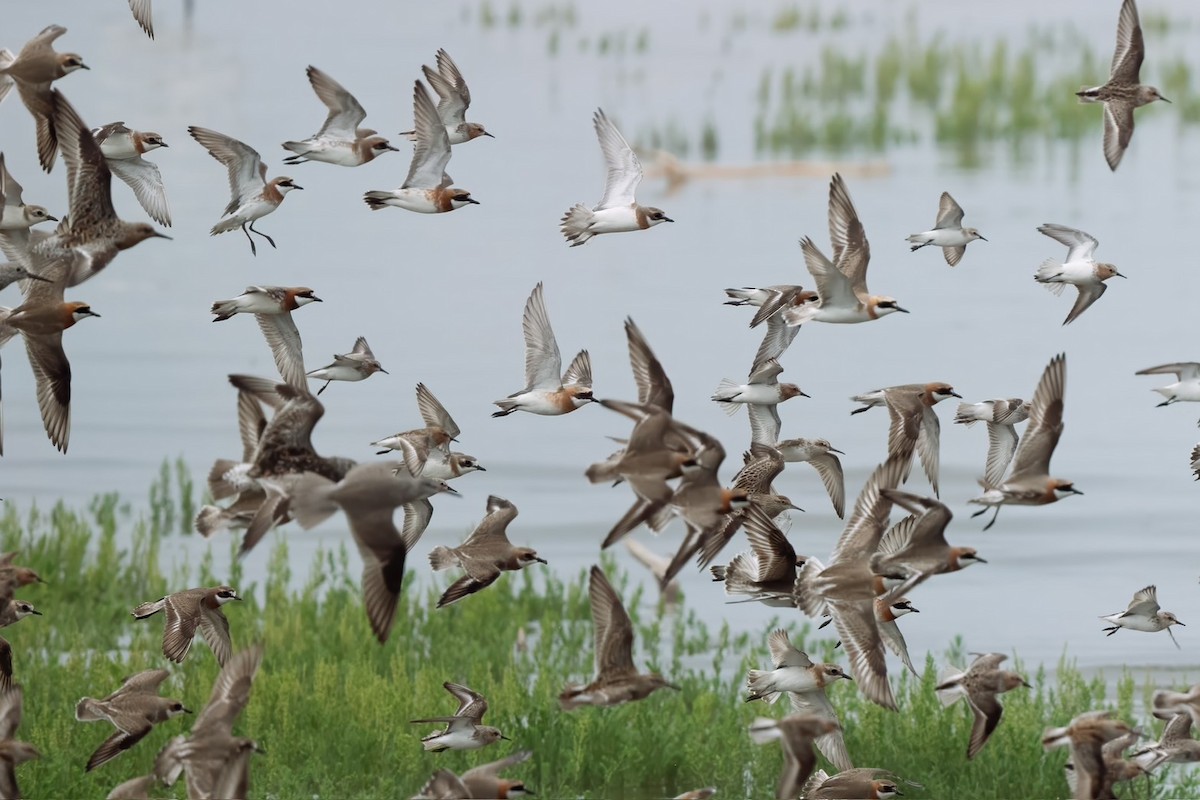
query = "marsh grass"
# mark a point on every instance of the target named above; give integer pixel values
(331, 707)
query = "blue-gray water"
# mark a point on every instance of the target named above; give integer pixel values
(440, 297)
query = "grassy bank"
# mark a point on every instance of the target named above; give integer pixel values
(331, 707)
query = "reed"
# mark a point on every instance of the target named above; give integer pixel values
(331, 707)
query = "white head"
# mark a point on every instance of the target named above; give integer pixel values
(902, 607)
(150, 140)
(460, 198)
(302, 296)
(883, 305)
(971, 234)
(35, 214)
(225, 594)
(285, 184)
(24, 609)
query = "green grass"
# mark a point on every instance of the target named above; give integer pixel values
(331, 707)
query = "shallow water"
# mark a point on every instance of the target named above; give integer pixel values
(439, 297)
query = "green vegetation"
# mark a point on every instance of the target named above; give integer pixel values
(331, 707)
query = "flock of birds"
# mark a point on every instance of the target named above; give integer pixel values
(671, 468)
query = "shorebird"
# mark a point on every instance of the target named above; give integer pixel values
(123, 149)
(841, 283)
(618, 210)
(1001, 418)
(17, 216)
(617, 679)
(657, 450)
(41, 320)
(427, 189)
(768, 572)
(847, 589)
(12, 611)
(821, 455)
(464, 730)
(214, 761)
(769, 300)
(796, 734)
(914, 425)
(1187, 385)
(272, 307)
(1143, 614)
(426, 451)
(980, 684)
(15, 574)
(133, 709)
(481, 781)
(761, 394)
(805, 682)
(369, 495)
(1175, 746)
(1117, 769)
(1081, 269)
(653, 385)
(189, 612)
(484, 555)
(1086, 735)
(545, 393)
(454, 98)
(948, 232)
(761, 465)
(1166, 703)
(95, 234)
(1029, 483)
(357, 365)
(35, 68)
(863, 782)
(252, 196)
(886, 613)
(13, 753)
(1124, 91)
(915, 549)
(340, 141)
(485, 780)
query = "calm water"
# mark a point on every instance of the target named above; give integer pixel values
(439, 297)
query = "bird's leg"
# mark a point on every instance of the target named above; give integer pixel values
(253, 249)
(260, 233)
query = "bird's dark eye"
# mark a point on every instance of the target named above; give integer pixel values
(462, 198)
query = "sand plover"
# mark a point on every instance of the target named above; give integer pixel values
(617, 679)
(272, 307)
(189, 612)
(123, 149)
(980, 684)
(427, 189)
(545, 392)
(914, 425)
(484, 555)
(340, 141)
(454, 98)
(133, 709)
(842, 282)
(1029, 483)
(796, 733)
(35, 68)
(618, 210)
(369, 496)
(252, 196)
